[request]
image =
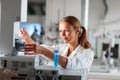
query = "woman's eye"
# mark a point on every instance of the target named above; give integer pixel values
(67, 30)
(64, 30)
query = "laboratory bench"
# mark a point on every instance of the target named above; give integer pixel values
(57, 74)
(103, 76)
(101, 71)
(31, 64)
(31, 67)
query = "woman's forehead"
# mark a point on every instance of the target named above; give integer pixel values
(64, 24)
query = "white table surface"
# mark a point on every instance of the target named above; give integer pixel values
(108, 76)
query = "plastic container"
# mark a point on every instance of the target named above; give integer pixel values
(56, 59)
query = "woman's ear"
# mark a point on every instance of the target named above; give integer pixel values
(78, 30)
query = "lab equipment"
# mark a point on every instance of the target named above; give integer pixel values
(23, 65)
(45, 72)
(103, 45)
(31, 67)
(20, 64)
(111, 62)
(56, 59)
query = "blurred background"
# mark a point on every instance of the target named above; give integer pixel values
(40, 18)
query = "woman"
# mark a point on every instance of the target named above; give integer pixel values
(75, 53)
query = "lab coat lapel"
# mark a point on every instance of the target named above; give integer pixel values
(78, 49)
(64, 50)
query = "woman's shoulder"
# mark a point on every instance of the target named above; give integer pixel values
(84, 50)
(89, 52)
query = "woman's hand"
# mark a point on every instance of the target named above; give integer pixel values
(30, 44)
(24, 35)
(30, 49)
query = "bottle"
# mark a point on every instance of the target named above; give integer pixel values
(56, 59)
(111, 60)
(111, 63)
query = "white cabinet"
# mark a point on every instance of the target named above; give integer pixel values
(10, 10)
(57, 9)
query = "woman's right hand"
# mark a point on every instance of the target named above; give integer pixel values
(30, 49)
(24, 35)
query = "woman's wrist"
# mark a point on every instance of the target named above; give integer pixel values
(29, 41)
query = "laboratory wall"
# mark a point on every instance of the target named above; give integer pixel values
(104, 15)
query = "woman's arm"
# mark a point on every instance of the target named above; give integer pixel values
(33, 48)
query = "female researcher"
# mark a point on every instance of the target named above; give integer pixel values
(75, 53)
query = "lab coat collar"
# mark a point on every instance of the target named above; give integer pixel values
(65, 50)
(78, 49)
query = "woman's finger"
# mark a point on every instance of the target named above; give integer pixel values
(29, 53)
(30, 48)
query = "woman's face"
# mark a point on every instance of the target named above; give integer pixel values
(68, 33)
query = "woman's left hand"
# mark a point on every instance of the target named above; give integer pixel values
(24, 35)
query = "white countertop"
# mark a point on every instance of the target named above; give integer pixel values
(109, 76)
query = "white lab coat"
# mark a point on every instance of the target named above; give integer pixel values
(79, 59)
